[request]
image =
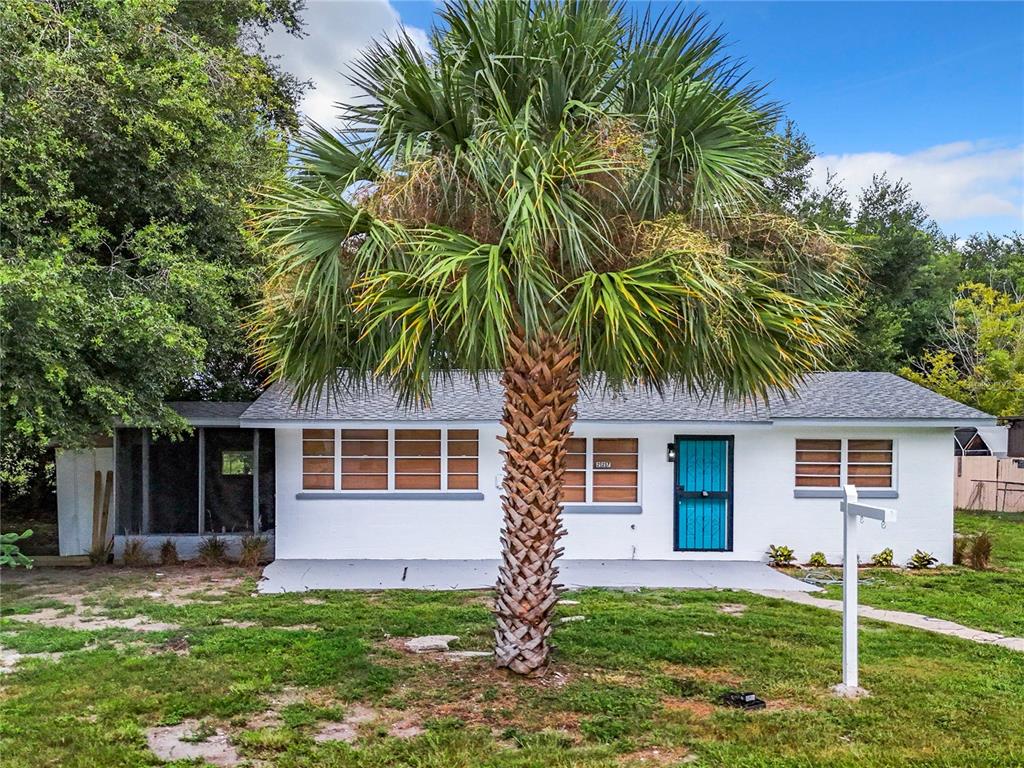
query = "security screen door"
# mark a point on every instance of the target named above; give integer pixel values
(703, 493)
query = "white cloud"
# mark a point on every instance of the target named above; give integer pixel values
(335, 33)
(957, 181)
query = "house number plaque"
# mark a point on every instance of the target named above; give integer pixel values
(602, 465)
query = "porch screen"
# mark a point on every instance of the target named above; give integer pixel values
(463, 450)
(818, 463)
(869, 463)
(364, 459)
(318, 459)
(615, 469)
(417, 459)
(173, 485)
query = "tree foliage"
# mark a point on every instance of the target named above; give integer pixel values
(911, 270)
(548, 168)
(133, 135)
(981, 358)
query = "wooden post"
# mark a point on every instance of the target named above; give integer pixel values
(108, 492)
(97, 496)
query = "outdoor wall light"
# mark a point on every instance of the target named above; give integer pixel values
(670, 450)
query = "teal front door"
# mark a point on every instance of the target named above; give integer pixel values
(703, 493)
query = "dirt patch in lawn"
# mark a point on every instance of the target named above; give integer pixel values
(698, 708)
(192, 740)
(732, 609)
(9, 658)
(177, 645)
(81, 618)
(658, 756)
(713, 675)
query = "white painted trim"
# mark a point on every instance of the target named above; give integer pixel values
(848, 423)
(728, 427)
(444, 459)
(392, 460)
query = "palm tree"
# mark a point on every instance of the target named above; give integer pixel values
(554, 190)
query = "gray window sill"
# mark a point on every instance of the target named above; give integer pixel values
(602, 509)
(392, 495)
(837, 493)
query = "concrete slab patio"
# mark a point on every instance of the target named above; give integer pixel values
(302, 575)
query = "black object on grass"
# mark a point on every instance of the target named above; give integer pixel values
(742, 700)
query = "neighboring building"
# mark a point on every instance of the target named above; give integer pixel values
(652, 478)
(1015, 438)
(980, 441)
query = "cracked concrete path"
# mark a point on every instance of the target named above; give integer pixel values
(907, 619)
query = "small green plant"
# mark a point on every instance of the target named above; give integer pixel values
(169, 553)
(817, 560)
(781, 556)
(252, 550)
(100, 554)
(960, 544)
(981, 551)
(213, 550)
(882, 559)
(922, 560)
(134, 554)
(10, 554)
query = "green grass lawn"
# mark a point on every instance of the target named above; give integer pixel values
(634, 684)
(992, 600)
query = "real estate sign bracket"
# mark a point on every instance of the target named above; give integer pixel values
(853, 511)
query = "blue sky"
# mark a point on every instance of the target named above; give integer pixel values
(931, 92)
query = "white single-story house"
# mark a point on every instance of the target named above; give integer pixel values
(651, 477)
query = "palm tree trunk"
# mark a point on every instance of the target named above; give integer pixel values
(541, 383)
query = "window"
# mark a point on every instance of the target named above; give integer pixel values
(364, 459)
(602, 470)
(818, 463)
(236, 463)
(417, 459)
(463, 453)
(391, 460)
(869, 463)
(318, 459)
(831, 463)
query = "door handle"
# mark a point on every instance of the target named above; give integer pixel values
(704, 494)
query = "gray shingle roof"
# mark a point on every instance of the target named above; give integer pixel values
(869, 396)
(209, 410)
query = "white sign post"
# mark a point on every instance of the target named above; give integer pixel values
(853, 511)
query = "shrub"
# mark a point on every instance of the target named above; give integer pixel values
(134, 553)
(960, 544)
(252, 550)
(780, 556)
(10, 554)
(981, 551)
(817, 560)
(100, 554)
(922, 560)
(169, 553)
(213, 550)
(882, 559)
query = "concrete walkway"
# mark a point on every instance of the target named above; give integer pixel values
(302, 575)
(916, 620)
